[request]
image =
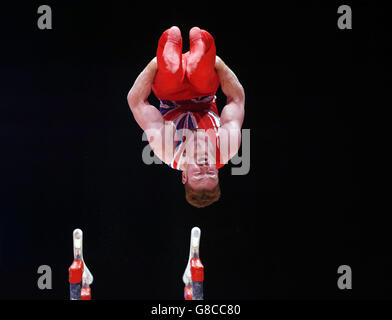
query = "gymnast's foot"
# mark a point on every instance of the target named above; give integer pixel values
(197, 49)
(172, 51)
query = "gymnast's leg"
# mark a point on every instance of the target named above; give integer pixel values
(200, 67)
(169, 59)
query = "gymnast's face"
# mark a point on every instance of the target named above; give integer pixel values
(201, 176)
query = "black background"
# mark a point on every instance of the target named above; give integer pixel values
(71, 154)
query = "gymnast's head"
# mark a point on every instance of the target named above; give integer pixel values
(201, 182)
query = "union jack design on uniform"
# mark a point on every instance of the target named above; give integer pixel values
(196, 113)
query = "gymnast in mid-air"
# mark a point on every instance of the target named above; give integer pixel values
(187, 132)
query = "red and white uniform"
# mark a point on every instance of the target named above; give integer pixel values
(188, 99)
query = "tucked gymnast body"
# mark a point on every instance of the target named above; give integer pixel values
(187, 132)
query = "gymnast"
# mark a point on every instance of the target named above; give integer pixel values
(187, 132)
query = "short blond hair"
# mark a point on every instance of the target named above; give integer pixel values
(203, 198)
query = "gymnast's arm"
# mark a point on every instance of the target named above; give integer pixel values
(147, 116)
(232, 115)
